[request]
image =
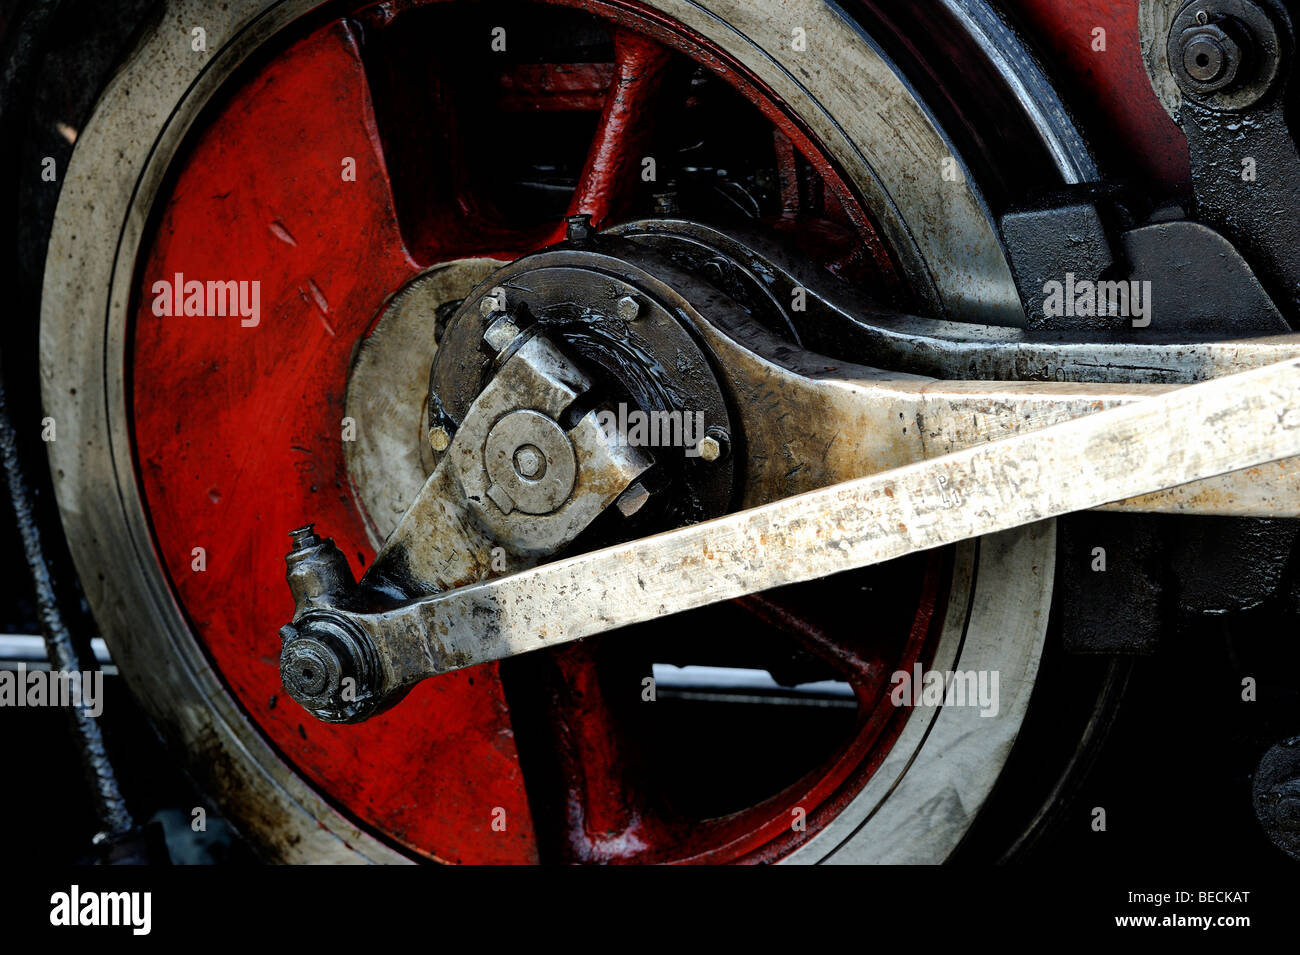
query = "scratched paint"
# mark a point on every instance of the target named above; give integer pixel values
(238, 441)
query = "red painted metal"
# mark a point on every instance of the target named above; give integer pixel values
(606, 817)
(627, 126)
(556, 87)
(1109, 89)
(237, 436)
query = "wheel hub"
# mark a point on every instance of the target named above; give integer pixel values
(653, 386)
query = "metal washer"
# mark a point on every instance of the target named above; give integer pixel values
(555, 479)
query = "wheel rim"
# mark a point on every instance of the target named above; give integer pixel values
(479, 708)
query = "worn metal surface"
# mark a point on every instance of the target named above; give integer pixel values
(88, 280)
(884, 338)
(1191, 280)
(1155, 18)
(446, 537)
(650, 364)
(811, 420)
(1060, 234)
(997, 486)
(119, 163)
(1276, 794)
(1200, 284)
(1244, 161)
(388, 385)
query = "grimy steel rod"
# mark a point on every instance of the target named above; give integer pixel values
(1196, 432)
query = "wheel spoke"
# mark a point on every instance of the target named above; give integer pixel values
(604, 804)
(625, 128)
(861, 668)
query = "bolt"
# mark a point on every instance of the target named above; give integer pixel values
(715, 445)
(666, 203)
(632, 500)
(311, 670)
(627, 308)
(578, 228)
(320, 659)
(501, 333)
(1207, 59)
(1204, 57)
(493, 301)
(304, 537)
(439, 439)
(529, 462)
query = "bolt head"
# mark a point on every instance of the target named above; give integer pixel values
(501, 333)
(632, 500)
(311, 671)
(439, 439)
(529, 462)
(627, 308)
(714, 446)
(1203, 58)
(493, 301)
(304, 537)
(1209, 59)
(578, 228)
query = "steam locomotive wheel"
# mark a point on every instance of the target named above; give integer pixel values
(366, 168)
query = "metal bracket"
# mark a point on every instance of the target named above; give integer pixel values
(514, 477)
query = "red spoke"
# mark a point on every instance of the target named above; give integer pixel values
(555, 87)
(625, 128)
(605, 817)
(863, 672)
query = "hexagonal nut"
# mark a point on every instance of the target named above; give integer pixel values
(715, 445)
(493, 301)
(501, 333)
(1207, 59)
(627, 308)
(578, 228)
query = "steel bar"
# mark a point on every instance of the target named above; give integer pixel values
(1193, 433)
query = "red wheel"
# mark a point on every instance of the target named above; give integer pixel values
(344, 161)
